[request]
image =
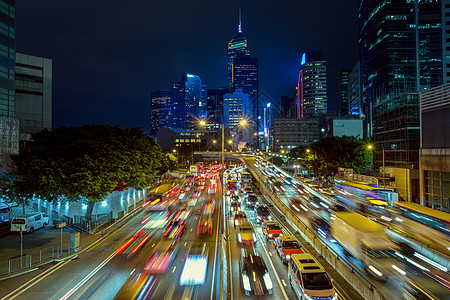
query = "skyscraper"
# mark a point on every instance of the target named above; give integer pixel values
(188, 102)
(235, 106)
(243, 73)
(401, 49)
(312, 85)
(161, 113)
(343, 95)
(354, 91)
(9, 126)
(215, 104)
(8, 56)
(33, 93)
(285, 104)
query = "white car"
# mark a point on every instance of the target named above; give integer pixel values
(194, 270)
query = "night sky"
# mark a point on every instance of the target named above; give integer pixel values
(108, 56)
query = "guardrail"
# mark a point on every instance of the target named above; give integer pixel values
(35, 258)
(353, 276)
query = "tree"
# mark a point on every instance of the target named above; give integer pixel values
(327, 155)
(86, 161)
(168, 163)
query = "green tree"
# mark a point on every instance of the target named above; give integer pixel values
(324, 157)
(86, 161)
(168, 163)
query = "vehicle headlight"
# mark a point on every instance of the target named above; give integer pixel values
(335, 297)
(236, 222)
(288, 257)
(239, 238)
(268, 281)
(308, 297)
(246, 282)
(375, 271)
(269, 218)
(254, 237)
(258, 217)
(270, 235)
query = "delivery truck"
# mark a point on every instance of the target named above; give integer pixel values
(367, 241)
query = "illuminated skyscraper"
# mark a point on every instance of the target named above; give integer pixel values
(312, 85)
(243, 73)
(188, 103)
(343, 95)
(161, 113)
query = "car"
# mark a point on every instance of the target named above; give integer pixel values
(196, 265)
(288, 180)
(205, 225)
(162, 257)
(262, 213)
(133, 244)
(177, 225)
(251, 201)
(138, 286)
(297, 205)
(278, 186)
(246, 234)
(308, 278)
(287, 245)
(235, 206)
(321, 227)
(239, 217)
(254, 274)
(29, 222)
(271, 230)
(248, 190)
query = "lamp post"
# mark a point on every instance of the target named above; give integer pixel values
(174, 151)
(370, 147)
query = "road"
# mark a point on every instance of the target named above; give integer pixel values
(99, 272)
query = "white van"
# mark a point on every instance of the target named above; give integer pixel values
(29, 222)
(308, 278)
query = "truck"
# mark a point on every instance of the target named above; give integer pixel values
(367, 241)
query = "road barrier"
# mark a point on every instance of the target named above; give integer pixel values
(34, 259)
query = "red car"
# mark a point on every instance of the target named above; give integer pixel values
(287, 245)
(271, 230)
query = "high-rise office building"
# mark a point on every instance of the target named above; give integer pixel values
(188, 103)
(8, 56)
(343, 95)
(215, 104)
(161, 111)
(236, 105)
(242, 73)
(9, 126)
(285, 104)
(401, 49)
(33, 93)
(312, 85)
(354, 92)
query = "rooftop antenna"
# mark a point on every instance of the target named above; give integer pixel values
(240, 22)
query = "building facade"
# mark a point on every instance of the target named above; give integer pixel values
(161, 111)
(343, 93)
(312, 86)
(33, 93)
(214, 104)
(285, 104)
(396, 138)
(9, 126)
(401, 49)
(340, 126)
(354, 92)
(236, 107)
(434, 155)
(292, 133)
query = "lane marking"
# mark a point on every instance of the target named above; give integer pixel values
(284, 283)
(215, 253)
(89, 276)
(26, 286)
(132, 271)
(273, 267)
(169, 294)
(174, 268)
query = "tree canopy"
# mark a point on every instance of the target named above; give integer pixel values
(85, 161)
(324, 157)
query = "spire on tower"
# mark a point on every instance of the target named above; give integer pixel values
(240, 22)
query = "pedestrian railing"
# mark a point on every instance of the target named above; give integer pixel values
(35, 258)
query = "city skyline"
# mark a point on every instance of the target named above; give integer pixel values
(107, 73)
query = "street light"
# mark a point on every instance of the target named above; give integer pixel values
(202, 123)
(370, 147)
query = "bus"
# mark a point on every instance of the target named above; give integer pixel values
(367, 192)
(424, 224)
(245, 178)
